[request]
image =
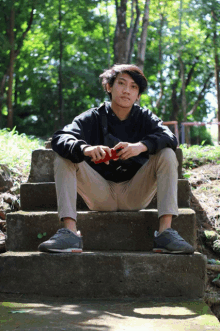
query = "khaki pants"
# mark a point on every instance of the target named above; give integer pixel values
(159, 174)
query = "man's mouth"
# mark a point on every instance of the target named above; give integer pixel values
(125, 98)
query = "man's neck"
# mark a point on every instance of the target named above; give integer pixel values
(121, 113)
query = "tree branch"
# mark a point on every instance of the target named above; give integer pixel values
(20, 44)
(200, 96)
(191, 71)
(217, 19)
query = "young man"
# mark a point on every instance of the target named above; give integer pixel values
(145, 162)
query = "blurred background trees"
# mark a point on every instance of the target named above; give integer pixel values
(52, 53)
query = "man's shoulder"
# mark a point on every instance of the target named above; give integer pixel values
(90, 113)
(144, 111)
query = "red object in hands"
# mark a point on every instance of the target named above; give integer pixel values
(108, 157)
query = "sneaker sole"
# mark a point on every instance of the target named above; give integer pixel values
(163, 250)
(67, 250)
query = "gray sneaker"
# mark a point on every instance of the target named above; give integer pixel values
(169, 241)
(64, 241)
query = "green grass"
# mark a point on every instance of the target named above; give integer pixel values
(196, 156)
(15, 151)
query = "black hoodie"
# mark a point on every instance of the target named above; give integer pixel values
(87, 129)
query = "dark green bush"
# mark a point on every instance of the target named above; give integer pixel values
(200, 136)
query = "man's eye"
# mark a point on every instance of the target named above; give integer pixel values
(134, 86)
(120, 83)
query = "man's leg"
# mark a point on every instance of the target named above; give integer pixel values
(158, 174)
(165, 222)
(96, 192)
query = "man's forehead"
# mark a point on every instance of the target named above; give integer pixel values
(125, 76)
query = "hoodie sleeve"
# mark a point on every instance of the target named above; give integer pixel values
(70, 141)
(158, 136)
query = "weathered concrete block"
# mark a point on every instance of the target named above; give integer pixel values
(42, 196)
(23, 229)
(124, 231)
(42, 165)
(103, 275)
(179, 155)
(5, 178)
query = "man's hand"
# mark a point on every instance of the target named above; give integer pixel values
(129, 149)
(97, 152)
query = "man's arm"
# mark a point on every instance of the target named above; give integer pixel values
(158, 136)
(71, 141)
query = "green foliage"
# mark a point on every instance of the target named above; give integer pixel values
(41, 235)
(16, 150)
(69, 49)
(216, 246)
(200, 136)
(213, 261)
(216, 278)
(193, 43)
(195, 156)
(211, 235)
(187, 175)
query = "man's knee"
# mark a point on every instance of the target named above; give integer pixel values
(60, 162)
(168, 156)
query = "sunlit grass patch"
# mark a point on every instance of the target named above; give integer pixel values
(195, 156)
(16, 150)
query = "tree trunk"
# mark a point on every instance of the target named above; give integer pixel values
(120, 33)
(160, 62)
(175, 104)
(183, 101)
(2, 92)
(108, 36)
(61, 105)
(132, 31)
(13, 55)
(143, 40)
(11, 70)
(217, 80)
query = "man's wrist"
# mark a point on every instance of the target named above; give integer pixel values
(143, 147)
(83, 147)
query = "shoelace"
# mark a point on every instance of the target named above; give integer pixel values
(61, 231)
(176, 235)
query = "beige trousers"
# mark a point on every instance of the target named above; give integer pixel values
(159, 174)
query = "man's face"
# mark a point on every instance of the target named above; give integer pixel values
(124, 92)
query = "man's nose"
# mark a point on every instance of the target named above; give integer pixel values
(127, 89)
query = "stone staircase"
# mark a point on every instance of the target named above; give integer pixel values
(117, 261)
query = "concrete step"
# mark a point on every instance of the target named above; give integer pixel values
(125, 231)
(42, 197)
(103, 274)
(42, 165)
(52, 314)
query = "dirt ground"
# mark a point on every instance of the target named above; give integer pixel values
(205, 183)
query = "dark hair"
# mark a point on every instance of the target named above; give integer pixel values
(109, 76)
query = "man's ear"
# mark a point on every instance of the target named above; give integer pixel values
(138, 98)
(108, 88)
